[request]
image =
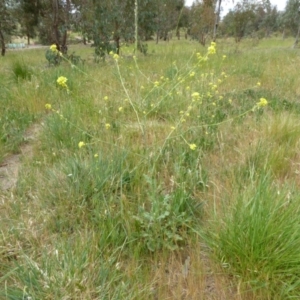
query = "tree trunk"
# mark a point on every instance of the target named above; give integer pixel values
(178, 33)
(28, 39)
(55, 31)
(297, 38)
(217, 19)
(2, 43)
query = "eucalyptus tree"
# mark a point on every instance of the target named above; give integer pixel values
(55, 20)
(28, 17)
(202, 20)
(241, 20)
(8, 22)
(291, 18)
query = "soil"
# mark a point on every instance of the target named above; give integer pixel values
(9, 168)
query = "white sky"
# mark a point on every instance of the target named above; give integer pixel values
(228, 4)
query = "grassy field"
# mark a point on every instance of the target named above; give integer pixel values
(168, 176)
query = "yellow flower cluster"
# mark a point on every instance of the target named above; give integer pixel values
(212, 48)
(193, 146)
(62, 81)
(81, 144)
(48, 106)
(262, 102)
(53, 48)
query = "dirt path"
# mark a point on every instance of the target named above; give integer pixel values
(9, 169)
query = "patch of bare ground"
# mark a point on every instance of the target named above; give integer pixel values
(9, 168)
(191, 275)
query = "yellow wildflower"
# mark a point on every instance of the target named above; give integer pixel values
(193, 146)
(107, 125)
(195, 95)
(211, 49)
(96, 155)
(81, 144)
(48, 106)
(53, 48)
(105, 98)
(262, 102)
(120, 108)
(116, 57)
(62, 81)
(258, 84)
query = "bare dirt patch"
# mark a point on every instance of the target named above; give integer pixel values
(9, 169)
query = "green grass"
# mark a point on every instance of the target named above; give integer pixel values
(141, 163)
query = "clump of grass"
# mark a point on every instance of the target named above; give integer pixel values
(257, 239)
(21, 71)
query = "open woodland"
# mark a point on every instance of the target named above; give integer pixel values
(173, 175)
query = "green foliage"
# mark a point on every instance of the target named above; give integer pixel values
(53, 57)
(21, 71)
(166, 223)
(257, 238)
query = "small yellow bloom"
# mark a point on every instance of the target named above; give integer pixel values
(120, 108)
(156, 83)
(258, 84)
(62, 81)
(211, 49)
(116, 57)
(96, 155)
(195, 95)
(107, 125)
(48, 106)
(81, 144)
(192, 74)
(262, 102)
(224, 56)
(53, 48)
(193, 146)
(105, 98)
(173, 127)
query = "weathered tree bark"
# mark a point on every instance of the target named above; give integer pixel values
(2, 43)
(217, 19)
